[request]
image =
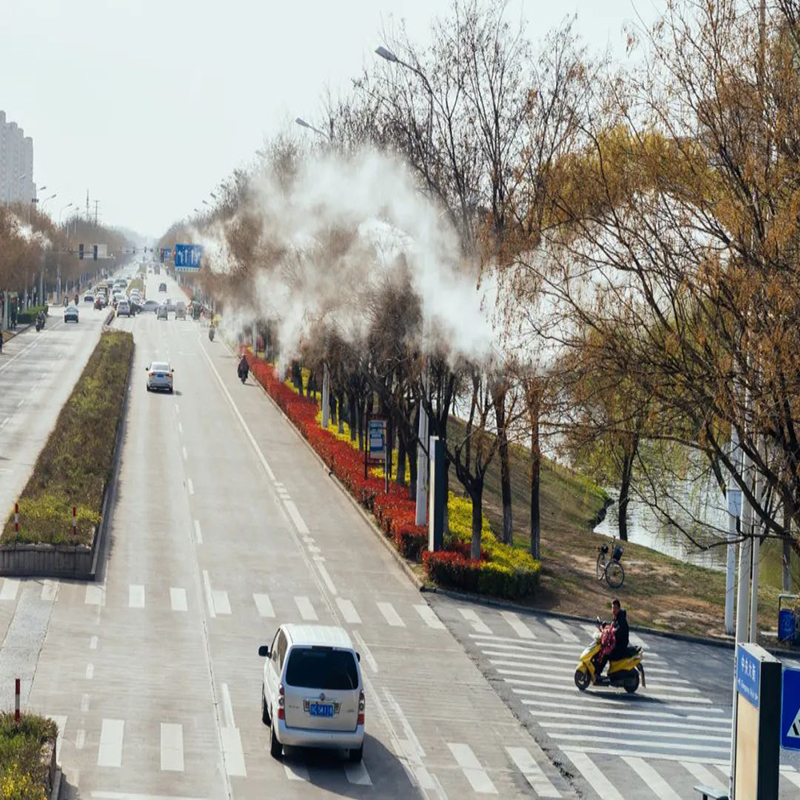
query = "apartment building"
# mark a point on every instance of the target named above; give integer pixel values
(16, 163)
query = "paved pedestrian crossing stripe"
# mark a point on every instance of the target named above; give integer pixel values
(264, 605)
(351, 616)
(390, 615)
(473, 771)
(477, 623)
(177, 599)
(306, 609)
(429, 616)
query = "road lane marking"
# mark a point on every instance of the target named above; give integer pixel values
(89, 674)
(349, 612)
(299, 523)
(209, 595)
(562, 630)
(647, 732)
(61, 723)
(554, 647)
(171, 747)
(180, 428)
(221, 603)
(327, 578)
(80, 739)
(84, 703)
(264, 605)
(390, 615)
(365, 651)
(650, 718)
(5, 422)
(10, 589)
(185, 454)
(651, 778)
(198, 534)
(477, 623)
(227, 706)
(20, 402)
(663, 697)
(112, 733)
(702, 774)
(190, 485)
(533, 773)
(571, 737)
(472, 769)
(518, 626)
(49, 591)
(135, 596)
(357, 774)
(589, 704)
(95, 596)
(306, 609)
(429, 616)
(296, 772)
(234, 754)
(792, 776)
(93, 643)
(593, 776)
(177, 598)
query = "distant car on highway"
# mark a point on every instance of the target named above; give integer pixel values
(162, 312)
(180, 310)
(150, 305)
(123, 309)
(88, 298)
(312, 693)
(159, 376)
(100, 301)
(162, 287)
(71, 314)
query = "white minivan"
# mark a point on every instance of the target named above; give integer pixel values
(313, 694)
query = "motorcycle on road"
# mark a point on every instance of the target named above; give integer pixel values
(211, 332)
(624, 672)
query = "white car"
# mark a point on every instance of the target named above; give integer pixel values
(88, 298)
(159, 376)
(123, 309)
(312, 692)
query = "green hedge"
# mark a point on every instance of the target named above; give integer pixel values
(29, 315)
(23, 774)
(77, 459)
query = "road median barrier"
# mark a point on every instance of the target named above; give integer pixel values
(58, 525)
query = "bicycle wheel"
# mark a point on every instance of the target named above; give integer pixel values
(615, 575)
(601, 565)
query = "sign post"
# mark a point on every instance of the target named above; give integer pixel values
(375, 451)
(436, 494)
(756, 766)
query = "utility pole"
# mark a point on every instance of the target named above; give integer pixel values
(96, 204)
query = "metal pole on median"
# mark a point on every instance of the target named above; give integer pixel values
(420, 515)
(16, 699)
(326, 395)
(734, 511)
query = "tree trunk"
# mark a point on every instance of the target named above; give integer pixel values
(505, 467)
(477, 522)
(536, 467)
(786, 560)
(340, 401)
(352, 408)
(624, 489)
(401, 460)
(297, 377)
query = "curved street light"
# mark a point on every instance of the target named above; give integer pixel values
(303, 124)
(63, 209)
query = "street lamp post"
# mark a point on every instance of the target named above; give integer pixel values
(420, 515)
(58, 262)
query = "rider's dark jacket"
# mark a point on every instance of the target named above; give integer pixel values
(622, 637)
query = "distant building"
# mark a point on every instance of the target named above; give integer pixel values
(16, 163)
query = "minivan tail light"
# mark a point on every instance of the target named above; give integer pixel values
(281, 703)
(362, 704)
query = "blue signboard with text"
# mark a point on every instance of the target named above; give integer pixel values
(790, 709)
(748, 675)
(187, 257)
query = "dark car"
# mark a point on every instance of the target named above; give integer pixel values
(180, 310)
(162, 287)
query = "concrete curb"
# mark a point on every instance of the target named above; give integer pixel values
(14, 333)
(362, 511)
(56, 793)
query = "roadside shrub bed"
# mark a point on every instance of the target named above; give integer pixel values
(23, 776)
(29, 315)
(501, 571)
(76, 462)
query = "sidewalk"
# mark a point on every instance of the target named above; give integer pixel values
(9, 334)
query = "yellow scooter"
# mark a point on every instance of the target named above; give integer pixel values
(623, 672)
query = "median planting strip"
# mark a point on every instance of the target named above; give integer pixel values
(27, 755)
(62, 503)
(502, 571)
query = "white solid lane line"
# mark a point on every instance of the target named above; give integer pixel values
(593, 776)
(171, 747)
(429, 617)
(651, 778)
(296, 772)
(198, 535)
(327, 578)
(299, 522)
(209, 595)
(264, 605)
(95, 596)
(112, 733)
(190, 485)
(306, 609)
(136, 596)
(533, 773)
(472, 769)
(351, 616)
(357, 774)
(517, 625)
(177, 598)
(702, 774)
(61, 722)
(477, 623)
(390, 615)
(10, 589)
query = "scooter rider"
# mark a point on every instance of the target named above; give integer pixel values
(621, 636)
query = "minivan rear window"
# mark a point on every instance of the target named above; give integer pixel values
(322, 668)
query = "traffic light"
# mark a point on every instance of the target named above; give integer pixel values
(80, 251)
(94, 247)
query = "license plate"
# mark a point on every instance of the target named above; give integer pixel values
(159, 376)
(320, 709)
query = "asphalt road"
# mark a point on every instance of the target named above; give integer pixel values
(224, 526)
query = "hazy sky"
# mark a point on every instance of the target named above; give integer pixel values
(149, 104)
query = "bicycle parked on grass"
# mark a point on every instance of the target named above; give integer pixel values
(610, 569)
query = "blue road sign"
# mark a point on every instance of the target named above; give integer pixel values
(187, 256)
(748, 674)
(790, 709)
